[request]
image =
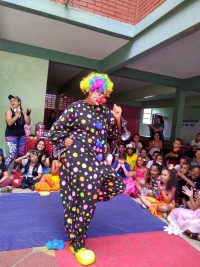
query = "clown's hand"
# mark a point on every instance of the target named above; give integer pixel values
(117, 112)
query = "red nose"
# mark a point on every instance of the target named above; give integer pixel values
(101, 100)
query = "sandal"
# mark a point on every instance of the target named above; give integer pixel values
(194, 236)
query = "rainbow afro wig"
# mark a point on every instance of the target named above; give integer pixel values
(95, 81)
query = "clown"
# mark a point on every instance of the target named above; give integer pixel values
(79, 138)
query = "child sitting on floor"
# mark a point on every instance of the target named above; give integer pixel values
(139, 176)
(196, 159)
(194, 182)
(183, 160)
(5, 182)
(32, 169)
(155, 143)
(151, 188)
(174, 156)
(121, 166)
(187, 220)
(163, 204)
(185, 170)
(131, 156)
(50, 182)
(144, 152)
(155, 153)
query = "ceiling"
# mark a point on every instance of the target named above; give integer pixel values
(167, 96)
(59, 74)
(180, 59)
(47, 33)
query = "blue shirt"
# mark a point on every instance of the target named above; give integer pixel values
(158, 125)
(121, 171)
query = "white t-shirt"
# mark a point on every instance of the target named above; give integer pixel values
(139, 145)
(193, 143)
(30, 170)
(149, 164)
(109, 157)
(177, 167)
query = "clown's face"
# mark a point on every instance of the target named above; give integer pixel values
(97, 97)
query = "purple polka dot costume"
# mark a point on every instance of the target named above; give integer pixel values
(85, 178)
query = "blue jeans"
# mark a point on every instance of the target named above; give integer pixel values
(29, 182)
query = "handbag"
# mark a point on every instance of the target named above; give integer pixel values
(17, 179)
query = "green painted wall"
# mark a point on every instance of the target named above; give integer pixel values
(166, 112)
(25, 77)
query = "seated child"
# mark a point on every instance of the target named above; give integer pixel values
(131, 156)
(155, 143)
(3, 153)
(187, 220)
(139, 177)
(185, 170)
(144, 152)
(164, 203)
(121, 166)
(32, 169)
(136, 143)
(50, 182)
(196, 159)
(107, 156)
(174, 156)
(183, 160)
(5, 182)
(193, 182)
(195, 143)
(151, 187)
(160, 159)
(155, 153)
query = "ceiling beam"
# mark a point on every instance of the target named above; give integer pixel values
(51, 90)
(51, 55)
(141, 92)
(73, 16)
(73, 83)
(146, 76)
(191, 101)
(176, 25)
(191, 84)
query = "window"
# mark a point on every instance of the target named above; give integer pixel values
(147, 116)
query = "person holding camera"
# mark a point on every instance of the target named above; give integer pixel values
(32, 169)
(16, 118)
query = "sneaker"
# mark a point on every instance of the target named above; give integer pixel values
(32, 187)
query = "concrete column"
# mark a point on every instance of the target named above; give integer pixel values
(179, 105)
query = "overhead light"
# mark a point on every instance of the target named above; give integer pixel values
(149, 96)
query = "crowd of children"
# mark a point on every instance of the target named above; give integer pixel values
(160, 181)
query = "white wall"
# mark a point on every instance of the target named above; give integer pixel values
(190, 125)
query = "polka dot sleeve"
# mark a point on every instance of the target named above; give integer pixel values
(61, 129)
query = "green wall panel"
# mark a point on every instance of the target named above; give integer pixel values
(25, 77)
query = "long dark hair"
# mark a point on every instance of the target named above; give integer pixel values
(43, 152)
(172, 179)
(152, 137)
(161, 118)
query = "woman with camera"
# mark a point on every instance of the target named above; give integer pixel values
(16, 118)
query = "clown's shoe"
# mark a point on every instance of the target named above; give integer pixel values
(84, 256)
